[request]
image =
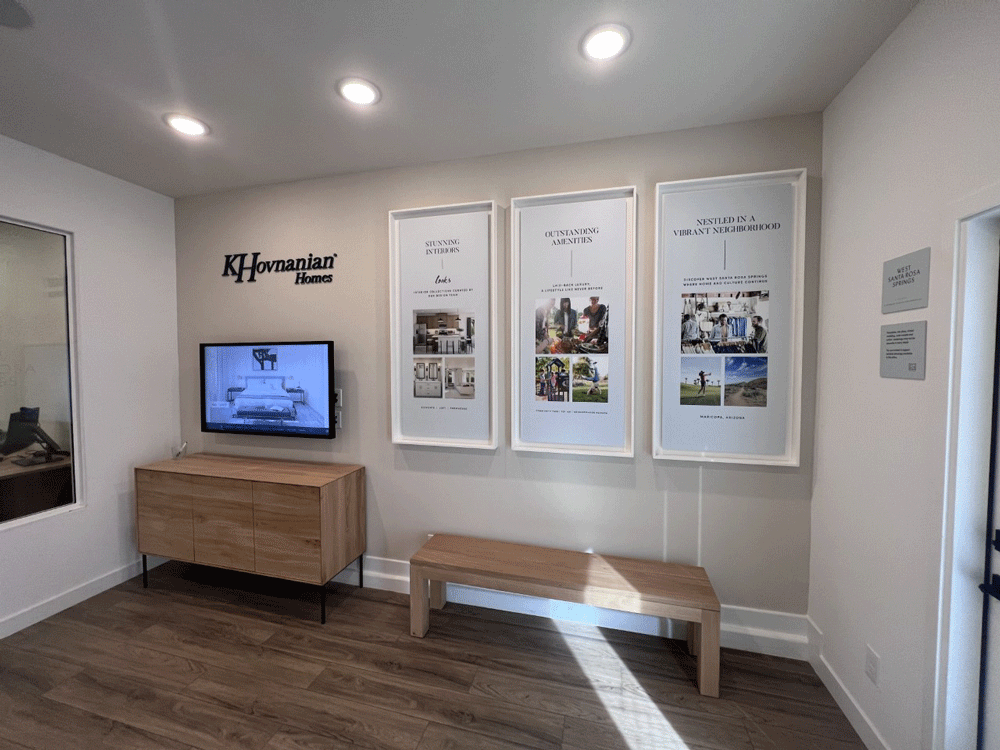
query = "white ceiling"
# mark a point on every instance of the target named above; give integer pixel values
(91, 80)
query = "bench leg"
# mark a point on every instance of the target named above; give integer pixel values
(694, 630)
(419, 605)
(437, 594)
(708, 654)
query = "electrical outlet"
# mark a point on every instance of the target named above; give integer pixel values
(871, 665)
(337, 421)
(338, 397)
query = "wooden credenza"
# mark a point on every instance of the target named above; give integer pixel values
(294, 520)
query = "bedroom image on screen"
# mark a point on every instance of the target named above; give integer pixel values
(268, 388)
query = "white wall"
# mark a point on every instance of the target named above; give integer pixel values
(914, 132)
(126, 328)
(748, 526)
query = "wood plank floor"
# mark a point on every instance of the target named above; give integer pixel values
(211, 659)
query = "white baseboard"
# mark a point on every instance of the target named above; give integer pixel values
(815, 640)
(381, 573)
(55, 604)
(757, 630)
(764, 631)
(851, 708)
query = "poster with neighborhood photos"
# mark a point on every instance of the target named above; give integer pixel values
(443, 294)
(729, 307)
(573, 308)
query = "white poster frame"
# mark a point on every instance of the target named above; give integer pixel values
(626, 448)
(790, 456)
(497, 225)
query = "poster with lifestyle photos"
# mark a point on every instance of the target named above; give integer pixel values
(573, 308)
(729, 288)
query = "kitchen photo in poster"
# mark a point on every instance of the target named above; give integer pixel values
(573, 278)
(444, 331)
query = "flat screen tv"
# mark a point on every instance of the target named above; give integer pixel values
(281, 388)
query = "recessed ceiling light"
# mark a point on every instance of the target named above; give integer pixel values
(358, 91)
(606, 41)
(186, 125)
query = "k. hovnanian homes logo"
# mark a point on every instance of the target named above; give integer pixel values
(239, 266)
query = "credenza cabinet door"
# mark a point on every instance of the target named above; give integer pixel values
(165, 520)
(223, 522)
(287, 531)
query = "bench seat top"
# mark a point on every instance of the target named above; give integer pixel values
(651, 580)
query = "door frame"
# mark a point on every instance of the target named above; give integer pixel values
(953, 695)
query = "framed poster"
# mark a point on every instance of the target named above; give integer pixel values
(573, 310)
(727, 375)
(443, 270)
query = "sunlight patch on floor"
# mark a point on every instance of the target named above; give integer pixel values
(639, 721)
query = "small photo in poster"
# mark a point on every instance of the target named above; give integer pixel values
(701, 381)
(590, 378)
(460, 377)
(718, 322)
(443, 332)
(746, 381)
(551, 378)
(427, 381)
(571, 325)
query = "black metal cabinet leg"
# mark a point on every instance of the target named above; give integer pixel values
(322, 605)
(361, 571)
(145, 574)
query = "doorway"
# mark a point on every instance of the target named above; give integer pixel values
(957, 715)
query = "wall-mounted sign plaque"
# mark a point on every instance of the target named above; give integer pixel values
(906, 282)
(904, 350)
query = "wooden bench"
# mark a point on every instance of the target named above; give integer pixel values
(648, 587)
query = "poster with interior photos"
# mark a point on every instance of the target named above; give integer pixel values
(443, 271)
(729, 288)
(572, 345)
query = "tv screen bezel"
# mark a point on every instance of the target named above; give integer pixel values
(331, 432)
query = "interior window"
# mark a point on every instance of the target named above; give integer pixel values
(36, 427)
